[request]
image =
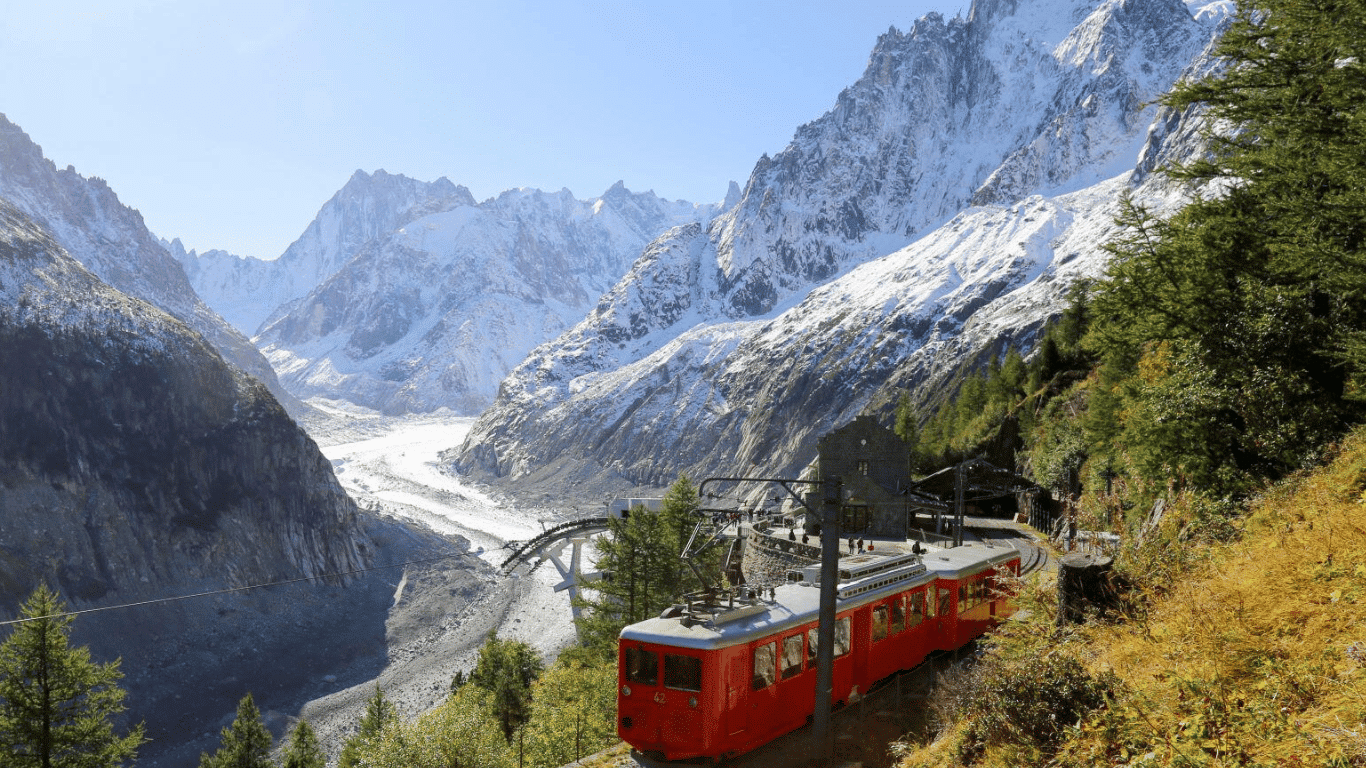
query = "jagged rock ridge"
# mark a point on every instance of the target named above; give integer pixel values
(111, 240)
(435, 312)
(940, 209)
(249, 291)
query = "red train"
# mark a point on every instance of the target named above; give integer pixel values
(714, 679)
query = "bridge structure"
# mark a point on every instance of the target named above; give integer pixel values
(550, 544)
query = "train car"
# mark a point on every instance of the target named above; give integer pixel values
(722, 675)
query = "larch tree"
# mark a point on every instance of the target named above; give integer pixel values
(506, 669)
(57, 706)
(1249, 305)
(379, 714)
(641, 552)
(303, 750)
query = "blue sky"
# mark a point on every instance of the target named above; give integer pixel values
(228, 124)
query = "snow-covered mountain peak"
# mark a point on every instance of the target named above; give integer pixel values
(248, 291)
(437, 311)
(940, 208)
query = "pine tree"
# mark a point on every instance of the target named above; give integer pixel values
(379, 712)
(303, 750)
(56, 706)
(244, 744)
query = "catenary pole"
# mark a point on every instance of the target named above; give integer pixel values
(831, 490)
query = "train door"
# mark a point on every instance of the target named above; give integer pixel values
(737, 685)
(862, 641)
(763, 693)
(641, 716)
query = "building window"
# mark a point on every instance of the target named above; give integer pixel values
(863, 467)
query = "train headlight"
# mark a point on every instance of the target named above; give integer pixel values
(692, 701)
(625, 690)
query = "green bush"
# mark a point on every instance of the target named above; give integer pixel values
(1028, 703)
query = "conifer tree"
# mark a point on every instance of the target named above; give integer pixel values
(379, 712)
(56, 706)
(1249, 305)
(244, 744)
(303, 750)
(641, 552)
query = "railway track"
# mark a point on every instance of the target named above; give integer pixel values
(1034, 555)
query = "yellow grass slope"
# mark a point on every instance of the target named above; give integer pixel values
(1256, 657)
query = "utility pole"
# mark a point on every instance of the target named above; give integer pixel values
(958, 504)
(831, 491)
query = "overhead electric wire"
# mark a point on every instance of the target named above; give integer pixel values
(232, 589)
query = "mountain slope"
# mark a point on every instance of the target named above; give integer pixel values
(436, 312)
(137, 465)
(111, 240)
(135, 460)
(940, 209)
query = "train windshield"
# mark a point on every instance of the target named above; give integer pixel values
(682, 673)
(642, 666)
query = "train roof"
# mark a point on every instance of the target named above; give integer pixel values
(864, 578)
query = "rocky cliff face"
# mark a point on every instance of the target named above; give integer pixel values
(136, 463)
(111, 240)
(437, 310)
(940, 210)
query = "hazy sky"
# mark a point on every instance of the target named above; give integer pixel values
(229, 124)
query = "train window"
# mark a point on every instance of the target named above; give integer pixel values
(917, 610)
(880, 623)
(792, 656)
(945, 602)
(765, 666)
(642, 666)
(813, 635)
(898, 614)
(682, 673)
(842, 637)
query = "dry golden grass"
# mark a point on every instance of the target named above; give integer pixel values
(1256, 657)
